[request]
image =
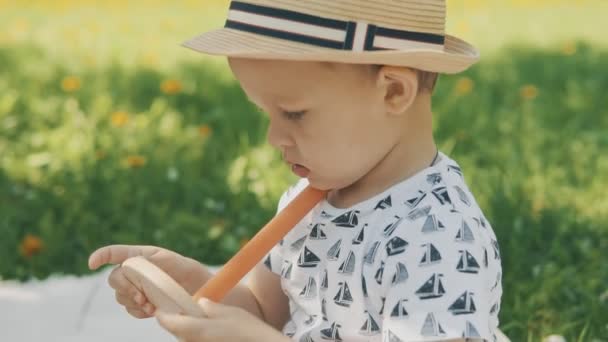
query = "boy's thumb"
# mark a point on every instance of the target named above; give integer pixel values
(211, 308)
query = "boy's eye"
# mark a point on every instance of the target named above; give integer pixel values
(289, 115)
(294, 115)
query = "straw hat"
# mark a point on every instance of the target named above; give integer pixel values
(388, 32)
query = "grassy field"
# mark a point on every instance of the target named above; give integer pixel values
(112, 133)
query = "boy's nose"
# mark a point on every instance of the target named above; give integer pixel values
(278, 136)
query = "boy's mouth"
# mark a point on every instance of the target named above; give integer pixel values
(299, 170)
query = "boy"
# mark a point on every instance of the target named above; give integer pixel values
(399, 250)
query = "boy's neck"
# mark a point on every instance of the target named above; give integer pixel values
(414, 152)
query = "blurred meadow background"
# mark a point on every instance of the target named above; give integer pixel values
(110, 132)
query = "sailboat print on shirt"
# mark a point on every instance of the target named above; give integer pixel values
(317, 233)
(442, 195)
(306, 338)
(286, 269)
(467, 263)
(418, 213)
(463, 305)
(431, 255)
(485, 257)
(348, 266)
(470, 331)
(380, 273)
(371, 253)
(349, 219)
(414, 201)
(364, 286)
(395, 246)
(311, 319)
(498, 277)
(310, 290)
(388, 231)
(400, 275)
(268, 262)
(432, 288)
(494, 308)
(297, 245)
(332, 333)
(384, 204)
(433, 178)
(324, 309)
(399, 311)
(334, 251)
(369, 327)
(496, 249)
(464, 233)
(456, 169)
(431, 327)
(359, 239)
(463, 196)
(483, 221)
(308, 258)
(432, 224)
(324, 214)
(324, 282)
(391, 337)
(343, 297)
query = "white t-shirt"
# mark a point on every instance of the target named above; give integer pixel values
(417, 262)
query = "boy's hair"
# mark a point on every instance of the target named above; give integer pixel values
(427, 80)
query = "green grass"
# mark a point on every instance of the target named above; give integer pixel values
(528, 124)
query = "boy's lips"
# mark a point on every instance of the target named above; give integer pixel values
(299, 170)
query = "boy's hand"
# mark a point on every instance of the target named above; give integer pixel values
(222, 323)
(183, 270)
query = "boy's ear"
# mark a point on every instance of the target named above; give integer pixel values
(400, 86)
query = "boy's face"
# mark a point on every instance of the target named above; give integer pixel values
(330, 121)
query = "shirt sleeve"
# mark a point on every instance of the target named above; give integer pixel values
(440, 289)
(274, 259)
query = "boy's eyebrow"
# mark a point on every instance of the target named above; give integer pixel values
(279, 104)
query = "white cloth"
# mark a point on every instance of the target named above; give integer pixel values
(417, 262)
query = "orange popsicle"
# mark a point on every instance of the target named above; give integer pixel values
(241, 263)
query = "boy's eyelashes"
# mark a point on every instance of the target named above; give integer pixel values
(290, 115)
(294, 115)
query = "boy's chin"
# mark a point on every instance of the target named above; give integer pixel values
(318, 184)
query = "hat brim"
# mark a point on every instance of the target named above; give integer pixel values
(456, 56)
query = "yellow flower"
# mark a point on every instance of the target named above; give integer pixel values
(30, 245)
(529, 92)
(204, 130)
(171, 87)
(464, 86)
(119, 118)
(569, 49)
(135, 161)
(70, 84)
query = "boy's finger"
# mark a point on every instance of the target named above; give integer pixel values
(127, 299)
(213, 309)
(119, 282)
(136, 312)
(114, 254)
(183, 327)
